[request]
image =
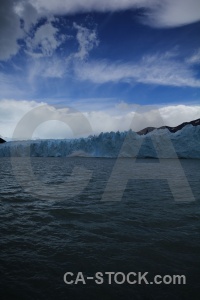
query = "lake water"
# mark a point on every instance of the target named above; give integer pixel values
(46, 231)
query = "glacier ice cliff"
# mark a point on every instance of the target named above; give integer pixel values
(162, 143)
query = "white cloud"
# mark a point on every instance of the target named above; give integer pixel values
(138, 117)
(11, 111)
(120, 117)
(174, 115)
(195, 58)
(77, 6)
(172, 13)
(155, 69)
(145, 116)
(87, 40)
(165, 13)
(45, 41)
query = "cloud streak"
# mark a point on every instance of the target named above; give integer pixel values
(195, 58)
(155, 70)
(165, 13)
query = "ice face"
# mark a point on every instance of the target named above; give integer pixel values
(184, 143)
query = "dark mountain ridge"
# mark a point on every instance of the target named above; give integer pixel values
(171, 129)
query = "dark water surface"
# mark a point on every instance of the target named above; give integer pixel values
(42, 238)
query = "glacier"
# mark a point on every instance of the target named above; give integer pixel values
(160, 143)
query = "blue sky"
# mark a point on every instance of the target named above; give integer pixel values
(97, 55)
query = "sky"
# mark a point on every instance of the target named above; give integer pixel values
(102, 58)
